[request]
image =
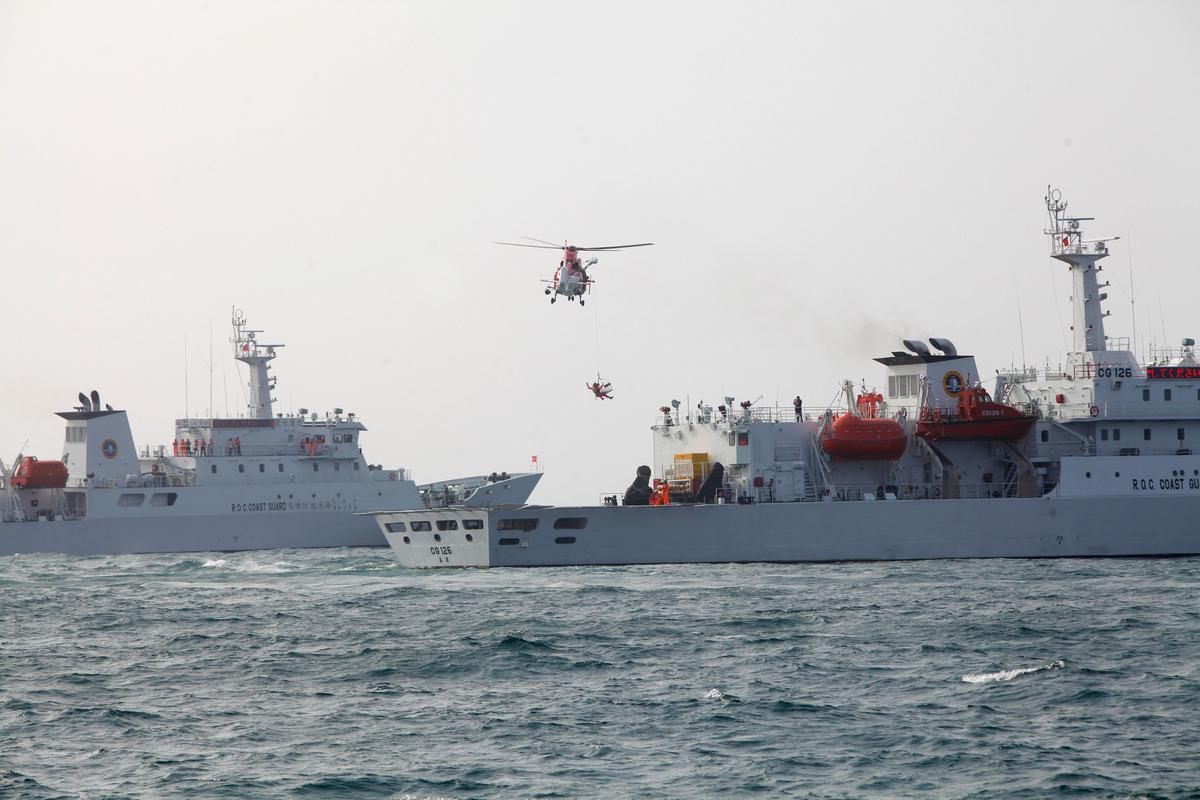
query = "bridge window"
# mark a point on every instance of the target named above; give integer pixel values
(518, 524)
(473, 524)
(447, 525)
(421, 525)
(131, 500)
(395, 527)
(570, 523)
(163, 498)
(1104, 434)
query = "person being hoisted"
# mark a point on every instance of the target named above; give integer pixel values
(602, 389)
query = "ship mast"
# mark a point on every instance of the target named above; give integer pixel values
(1068, 245)
(252, 353)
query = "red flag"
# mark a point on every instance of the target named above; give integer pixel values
(533, 459)
(1066, 241)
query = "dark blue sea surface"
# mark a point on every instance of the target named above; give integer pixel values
(329, 674)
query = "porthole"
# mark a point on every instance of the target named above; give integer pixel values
(407, 540)
(437, 537)
(564, 540)
(1116, 474)
(1087, 474)
(509, 540)
(470, 538)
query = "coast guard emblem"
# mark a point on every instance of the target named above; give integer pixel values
(953, 383)
(109, 448)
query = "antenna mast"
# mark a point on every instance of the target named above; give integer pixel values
(1068, 245)
(254, 354)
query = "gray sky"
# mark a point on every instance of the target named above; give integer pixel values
(822, 179)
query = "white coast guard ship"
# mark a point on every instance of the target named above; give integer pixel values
(261, 481)
(1095, 458)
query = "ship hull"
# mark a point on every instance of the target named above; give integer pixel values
(233, 518)
(202, 533)
(881, 530)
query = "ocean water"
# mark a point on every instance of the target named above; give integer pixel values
(330, 674)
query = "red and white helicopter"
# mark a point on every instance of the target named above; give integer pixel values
(571, 278)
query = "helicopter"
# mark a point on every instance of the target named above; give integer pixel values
(571, 279)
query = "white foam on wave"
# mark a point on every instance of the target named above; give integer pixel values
(1009, 674)
(249, 565)
(714, 694)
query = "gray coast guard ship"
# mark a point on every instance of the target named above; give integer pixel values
(1093, 458)
(261, 481)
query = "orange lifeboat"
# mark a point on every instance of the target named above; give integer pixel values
(34, 474)
(977, 417)
(863, 435)
(855, 438)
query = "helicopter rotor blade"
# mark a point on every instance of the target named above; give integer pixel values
(538, 246)
(543, 241)
(617, 246)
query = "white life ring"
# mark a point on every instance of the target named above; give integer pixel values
(392, 476)
(1094, 411)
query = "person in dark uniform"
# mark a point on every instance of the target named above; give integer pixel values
(799, 404)
(638, 493)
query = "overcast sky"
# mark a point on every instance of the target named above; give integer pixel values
(821, 179)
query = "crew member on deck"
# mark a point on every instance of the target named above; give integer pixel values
(638, 493)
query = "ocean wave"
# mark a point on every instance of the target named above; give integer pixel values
(249, 565)
(1009, 674)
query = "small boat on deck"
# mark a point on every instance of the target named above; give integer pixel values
(864, 435)
(977, 417)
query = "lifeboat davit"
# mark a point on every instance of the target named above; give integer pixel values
(863, 435)
(34, 474)
(977, 417)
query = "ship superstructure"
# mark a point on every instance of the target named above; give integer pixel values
(1092, 458)
(262, 480)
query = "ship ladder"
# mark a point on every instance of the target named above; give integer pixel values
(1026, 478)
